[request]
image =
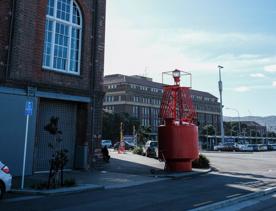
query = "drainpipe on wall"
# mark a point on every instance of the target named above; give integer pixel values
(10, 40)
(92, 83)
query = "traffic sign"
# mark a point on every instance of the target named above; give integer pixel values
(29, 108)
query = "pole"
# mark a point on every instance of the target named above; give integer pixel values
(25, 149)
(221, 106)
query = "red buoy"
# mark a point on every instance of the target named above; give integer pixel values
(178, 135)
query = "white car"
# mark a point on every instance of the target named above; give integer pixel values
(5, 179)
(246, 147)
(107, 143)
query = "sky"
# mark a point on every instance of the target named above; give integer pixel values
(148, 37)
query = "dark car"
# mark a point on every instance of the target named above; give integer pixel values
(151, 149)
(128, 146)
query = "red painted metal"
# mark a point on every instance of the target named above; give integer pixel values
(178, 136)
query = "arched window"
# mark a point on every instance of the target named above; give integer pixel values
(63, 29)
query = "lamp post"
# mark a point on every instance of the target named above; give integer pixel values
(221, 106)
(176, 76)
(238, 117)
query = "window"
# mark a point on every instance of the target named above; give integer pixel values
(109, 98)
(135, 111)
(63, 29)
(112, 86)
(136, 99)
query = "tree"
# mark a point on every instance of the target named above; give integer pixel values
(59, 156)
(231, 128)
(208, 130)
(271, 134)
(143, 134)
(111, 125)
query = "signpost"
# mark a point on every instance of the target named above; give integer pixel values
(28, 113)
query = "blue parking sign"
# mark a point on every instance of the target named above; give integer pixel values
(29, 108)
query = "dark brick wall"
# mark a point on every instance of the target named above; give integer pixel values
(5, 18)
(27, 49)
(27, 56)
(98, 68)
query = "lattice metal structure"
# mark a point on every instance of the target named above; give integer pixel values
(177, 103)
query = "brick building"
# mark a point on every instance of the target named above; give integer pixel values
(52, 54)
(141, 98)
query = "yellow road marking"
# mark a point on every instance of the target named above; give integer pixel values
(231, 196)
(202, 203)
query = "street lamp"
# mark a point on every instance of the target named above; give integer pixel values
(238, 117)
(176, 76)
(221, 113)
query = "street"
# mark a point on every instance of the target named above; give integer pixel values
(237, 174)
(186, 193)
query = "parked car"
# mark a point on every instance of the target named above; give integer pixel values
(107, 143)
(128, 146)
(262, 147)
(255, 147)
(245, 147)
(130, 139)
(226, 147)
(271, 147)
(151, 149)
(5, 179)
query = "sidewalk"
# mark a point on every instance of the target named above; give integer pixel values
(123, 170)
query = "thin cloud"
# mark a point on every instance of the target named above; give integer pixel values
(274, 83)
(257, 75)
(270, 68)
(242, 89)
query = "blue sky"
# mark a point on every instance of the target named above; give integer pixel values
(148, 37)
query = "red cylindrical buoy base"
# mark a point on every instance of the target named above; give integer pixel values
(178, 165)
(178, 146)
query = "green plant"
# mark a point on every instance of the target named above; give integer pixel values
(143, 134)
(202, 162)
(69, 182)
(137, 150)
(40, 185)
(59, 156)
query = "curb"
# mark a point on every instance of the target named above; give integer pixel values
(229, 202)
(76, 189)
(89, 187)
(181, 175)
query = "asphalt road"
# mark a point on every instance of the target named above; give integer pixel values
(267, 205)
(258, 165)
(180, 194)
(237, 174)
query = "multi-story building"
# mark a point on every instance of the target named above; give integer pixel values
(250, 128)
(141, 98)
(51, 55)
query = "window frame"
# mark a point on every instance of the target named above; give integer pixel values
(70, 24)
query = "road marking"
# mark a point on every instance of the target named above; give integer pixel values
(25, 198)
(202, 203)
(231, 196)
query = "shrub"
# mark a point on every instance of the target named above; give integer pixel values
(202, 162)
(137, 150)
(39, 186)
(69, 182)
